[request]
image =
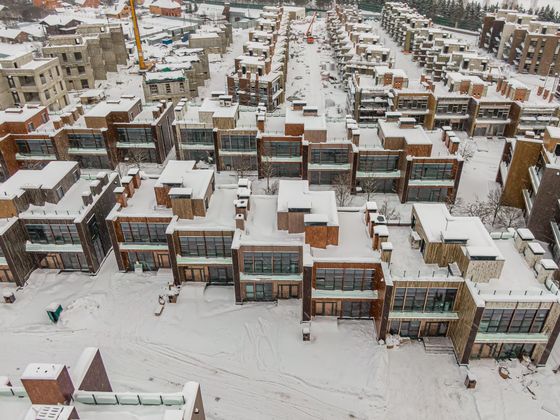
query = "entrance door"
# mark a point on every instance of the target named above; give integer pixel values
(435, 329)
(325, 308)
(287, 291)
(194, 274)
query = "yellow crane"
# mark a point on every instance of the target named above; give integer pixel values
(141, 63)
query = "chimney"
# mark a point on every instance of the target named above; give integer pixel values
(545, 269)
(241, 207)
(540, 90)
(545, 93)
(95, 187)
(533, 253)
(298, 105)
(386, 251)
(261, 117)
(103, 178)
(120, 196)
(499, 85)
(87, 198)
(47, 384)
(522, 238)
(380, 235)
(135, 174)
(407, 122)
(57, 123)
(356, 137)
(181, 202)
(240, 221)
(126, 182)
(316, 230)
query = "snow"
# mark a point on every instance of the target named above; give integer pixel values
(42, 371)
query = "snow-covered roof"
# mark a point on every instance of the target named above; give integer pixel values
(295, 194)
(20, 114)
(123, 104)
(166, 4)
(44, 371)
(45, 178)
(411, 135)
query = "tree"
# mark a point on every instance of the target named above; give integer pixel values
(267, 171)
(134, 158)
(368, 186)
(389, 210)
(243, 166)
(494, 203)
(342, 190)
(467, 150)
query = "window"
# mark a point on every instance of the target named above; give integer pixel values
(153, 89)
(85, 84)
(378, 163)
(238, 142)
(144, 232)
(513, 321)
(134, 134)
(77, 56)
(206, 246)
(282, 148)
(86, 141)
(35, 147)
(427, 194)
(329, 156)
(197, 136)
(81, 69)
(59, 192)
(268, 262)
(68, 71)
(181, 87)
(432, 171)
(53, 233)
(344, 279)
(323, 177)
(258, 291)
(64, 57)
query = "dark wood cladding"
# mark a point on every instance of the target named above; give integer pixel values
(95, 377)
(50, 392)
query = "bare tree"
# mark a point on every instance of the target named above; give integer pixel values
(134, 158)
(454, 206)
(510, 217)
(467, 149)
(368, 186)
(267, 172)
(494, 203)
(389, 210)
(342, 189)
(243, 166)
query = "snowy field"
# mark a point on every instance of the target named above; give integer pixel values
(250, 359)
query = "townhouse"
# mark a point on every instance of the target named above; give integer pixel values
(145, 206)
(54, 218)
(493, 296)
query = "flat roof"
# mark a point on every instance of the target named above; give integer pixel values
(411, 135)
(220, 213)
(295, 194)
(45, 178)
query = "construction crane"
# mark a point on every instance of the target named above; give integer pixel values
(309, 33)
(141, 62)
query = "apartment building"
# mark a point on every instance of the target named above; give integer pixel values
(145, 208)
(34, 81)
(527, 173)
(54, 218)
(488, 116)
(522, 40)
(165, 8)
(258, 79)
(213, 39)
(493, 297)
(87, 55)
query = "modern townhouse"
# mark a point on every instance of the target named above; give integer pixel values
(54, 218)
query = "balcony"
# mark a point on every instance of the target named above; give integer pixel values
(535, 177)
(528, 200)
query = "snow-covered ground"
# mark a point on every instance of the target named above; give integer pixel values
(250, 359)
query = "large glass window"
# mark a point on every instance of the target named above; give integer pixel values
(427, 194)
(513, 321)
(86, 141)
(329, 156)
(378, 163)
(344, 279)
(144, 232)
(238, 142)
(323, 177)
(268, 262)
(197, 136)
(437, 171)
(134, 134)
(258, 291)
(282, 148)
(423, 299)
(206, 246)
(35, 147)
(53, 233)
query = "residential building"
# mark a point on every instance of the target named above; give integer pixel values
(35, 81)
(89, 54)
(165, 8)
(528, 174)
(54, 218)
(145, 208)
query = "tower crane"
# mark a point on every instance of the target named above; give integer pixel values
(141, 62)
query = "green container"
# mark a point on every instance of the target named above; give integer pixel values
(53, 311)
